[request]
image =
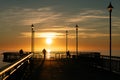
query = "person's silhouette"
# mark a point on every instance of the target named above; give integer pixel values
(44, 53)
(21, 52)
(68, 54)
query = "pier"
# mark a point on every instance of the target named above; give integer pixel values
(88, 66)
(10, 56)
(13, 56)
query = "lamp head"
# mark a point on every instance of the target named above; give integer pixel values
(76, 26)
(110, 7)
(32, 26)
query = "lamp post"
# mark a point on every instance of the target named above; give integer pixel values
(110, 7)
(66, 40)
(77, 40)
(32, 38)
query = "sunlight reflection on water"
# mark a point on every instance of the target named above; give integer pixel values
(48, 55)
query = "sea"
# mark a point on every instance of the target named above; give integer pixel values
(52, 54)
(2, 64)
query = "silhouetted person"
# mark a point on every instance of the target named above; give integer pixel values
(68, 54)
(44, 53)
(21, 52)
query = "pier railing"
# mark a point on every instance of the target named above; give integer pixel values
(105, 63)
(96, 60)
(6, 72)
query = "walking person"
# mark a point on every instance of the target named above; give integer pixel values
(44, 53)
(68, 54)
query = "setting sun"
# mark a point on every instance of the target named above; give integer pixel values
(48, 40)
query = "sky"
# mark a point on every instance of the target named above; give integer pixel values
(51, 19)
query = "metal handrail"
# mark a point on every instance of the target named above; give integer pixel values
(15, 64)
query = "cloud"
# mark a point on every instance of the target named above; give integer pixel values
(116, 22)
(52, 29)
(86, 15)
(46, 19)
(96, 35)
(40, 15)
(26, 16)
(43, 35)
(70, 35)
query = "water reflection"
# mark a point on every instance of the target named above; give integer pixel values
(48, 55)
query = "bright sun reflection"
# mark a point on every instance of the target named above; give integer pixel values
(48, 54)
(48, 40)
(48, 50)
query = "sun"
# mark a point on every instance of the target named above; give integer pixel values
(48, 40)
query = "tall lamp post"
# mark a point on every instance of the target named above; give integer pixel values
(66, 40)
(110, 7)
(32, 38)
(76, 40)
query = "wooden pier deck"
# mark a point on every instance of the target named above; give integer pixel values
(70, 70)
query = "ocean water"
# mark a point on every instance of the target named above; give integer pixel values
(2, 64)
(113, 53)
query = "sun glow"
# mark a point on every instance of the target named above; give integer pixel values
(48, 40)
(48, 50)
(47, 34)
(48, 54)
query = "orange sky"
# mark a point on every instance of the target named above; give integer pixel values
(59, 44)
(51, 19)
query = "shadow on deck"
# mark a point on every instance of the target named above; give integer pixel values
(68, 69)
